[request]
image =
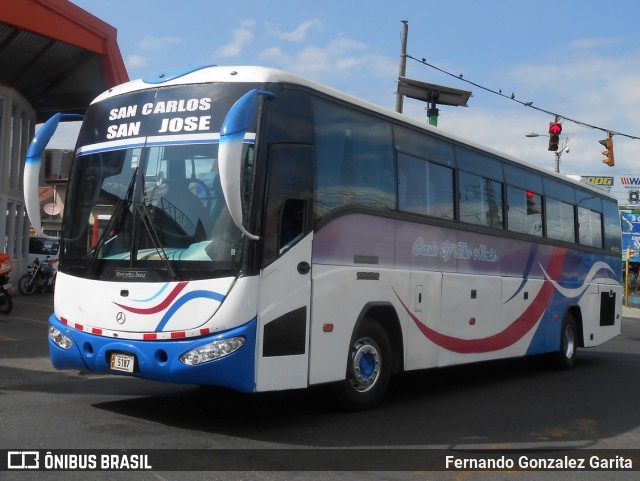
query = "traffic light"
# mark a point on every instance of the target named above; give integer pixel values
(532, 204)
(555, 129)
(608, 143)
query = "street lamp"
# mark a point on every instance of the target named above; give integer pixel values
(563, 148)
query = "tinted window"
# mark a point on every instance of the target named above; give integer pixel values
(288, 193)
(612, 229)
(560, 220)
(524, 211)
(43, 246)
(481, 164)
(589, 227)
(289, 118)
(423, 145)
(559, 190)
(354, 156)
(589, 200)
(480, 200)
(424, 187)
(523, 178)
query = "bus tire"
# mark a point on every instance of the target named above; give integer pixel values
(565, 358)
(368, 368)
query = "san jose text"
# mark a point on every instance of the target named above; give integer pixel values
(174, 124)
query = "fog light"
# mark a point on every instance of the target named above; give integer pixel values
(59, 339)
(213, 350)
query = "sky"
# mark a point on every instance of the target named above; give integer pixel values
(579, 59)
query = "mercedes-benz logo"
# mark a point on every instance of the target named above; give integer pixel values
(120, 317)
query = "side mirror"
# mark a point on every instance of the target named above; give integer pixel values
(232, 134)
(32, 167)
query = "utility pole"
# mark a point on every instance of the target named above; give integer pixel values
(403, 63)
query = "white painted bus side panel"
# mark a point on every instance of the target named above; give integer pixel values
(590, 310)
(516, 299)
(240, 306)
(338, 299)
(594, 333)
(471, 309)
(481, 308)
(425, 304)
(282, 290)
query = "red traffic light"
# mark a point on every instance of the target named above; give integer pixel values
(555, 128)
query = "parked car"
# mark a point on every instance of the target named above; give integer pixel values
(40, 248)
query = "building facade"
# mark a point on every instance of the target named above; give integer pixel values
(17, 124)
(54, 57)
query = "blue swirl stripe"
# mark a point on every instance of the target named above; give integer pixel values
(162, 289)
(182, 301)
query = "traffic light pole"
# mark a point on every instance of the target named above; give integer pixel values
(403, 64)
(626, 278)
(559, 153)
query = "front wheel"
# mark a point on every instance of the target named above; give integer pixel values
(368, 369)
(27, 285)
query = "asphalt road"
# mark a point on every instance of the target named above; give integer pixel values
(513, 404)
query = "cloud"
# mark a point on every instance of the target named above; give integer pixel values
(599, 90)
(298, 34)
(341, 54)
(241, 38)
(136, 61)
(158, 43)
(275, 55)
(340, 63)
(592, 43)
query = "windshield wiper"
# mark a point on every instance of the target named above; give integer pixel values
(116, 219)
(153, 235)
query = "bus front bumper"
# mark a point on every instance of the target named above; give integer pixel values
(159, 360)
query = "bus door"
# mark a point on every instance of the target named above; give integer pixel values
(285, 279)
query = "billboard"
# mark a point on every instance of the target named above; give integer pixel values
(625, 188)
(630, 234)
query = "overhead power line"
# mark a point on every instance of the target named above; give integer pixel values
(513, 98)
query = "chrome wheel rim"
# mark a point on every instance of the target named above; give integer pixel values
(365, 364)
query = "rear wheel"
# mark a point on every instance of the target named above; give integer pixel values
(565, 358)
(368, 368)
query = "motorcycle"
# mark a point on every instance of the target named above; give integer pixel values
(40, 278)
(6, 289)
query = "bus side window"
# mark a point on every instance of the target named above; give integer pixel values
(291, 223)
(289, 194)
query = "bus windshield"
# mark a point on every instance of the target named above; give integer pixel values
(156, 207)
(144, 200)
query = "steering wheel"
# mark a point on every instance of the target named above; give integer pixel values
(208, 197)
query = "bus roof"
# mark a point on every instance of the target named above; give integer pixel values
(256, 74)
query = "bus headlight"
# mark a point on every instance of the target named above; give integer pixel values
(213, 350)
(59, 339)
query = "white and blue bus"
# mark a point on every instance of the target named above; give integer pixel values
(263, 232)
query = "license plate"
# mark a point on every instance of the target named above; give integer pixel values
(122, 362)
